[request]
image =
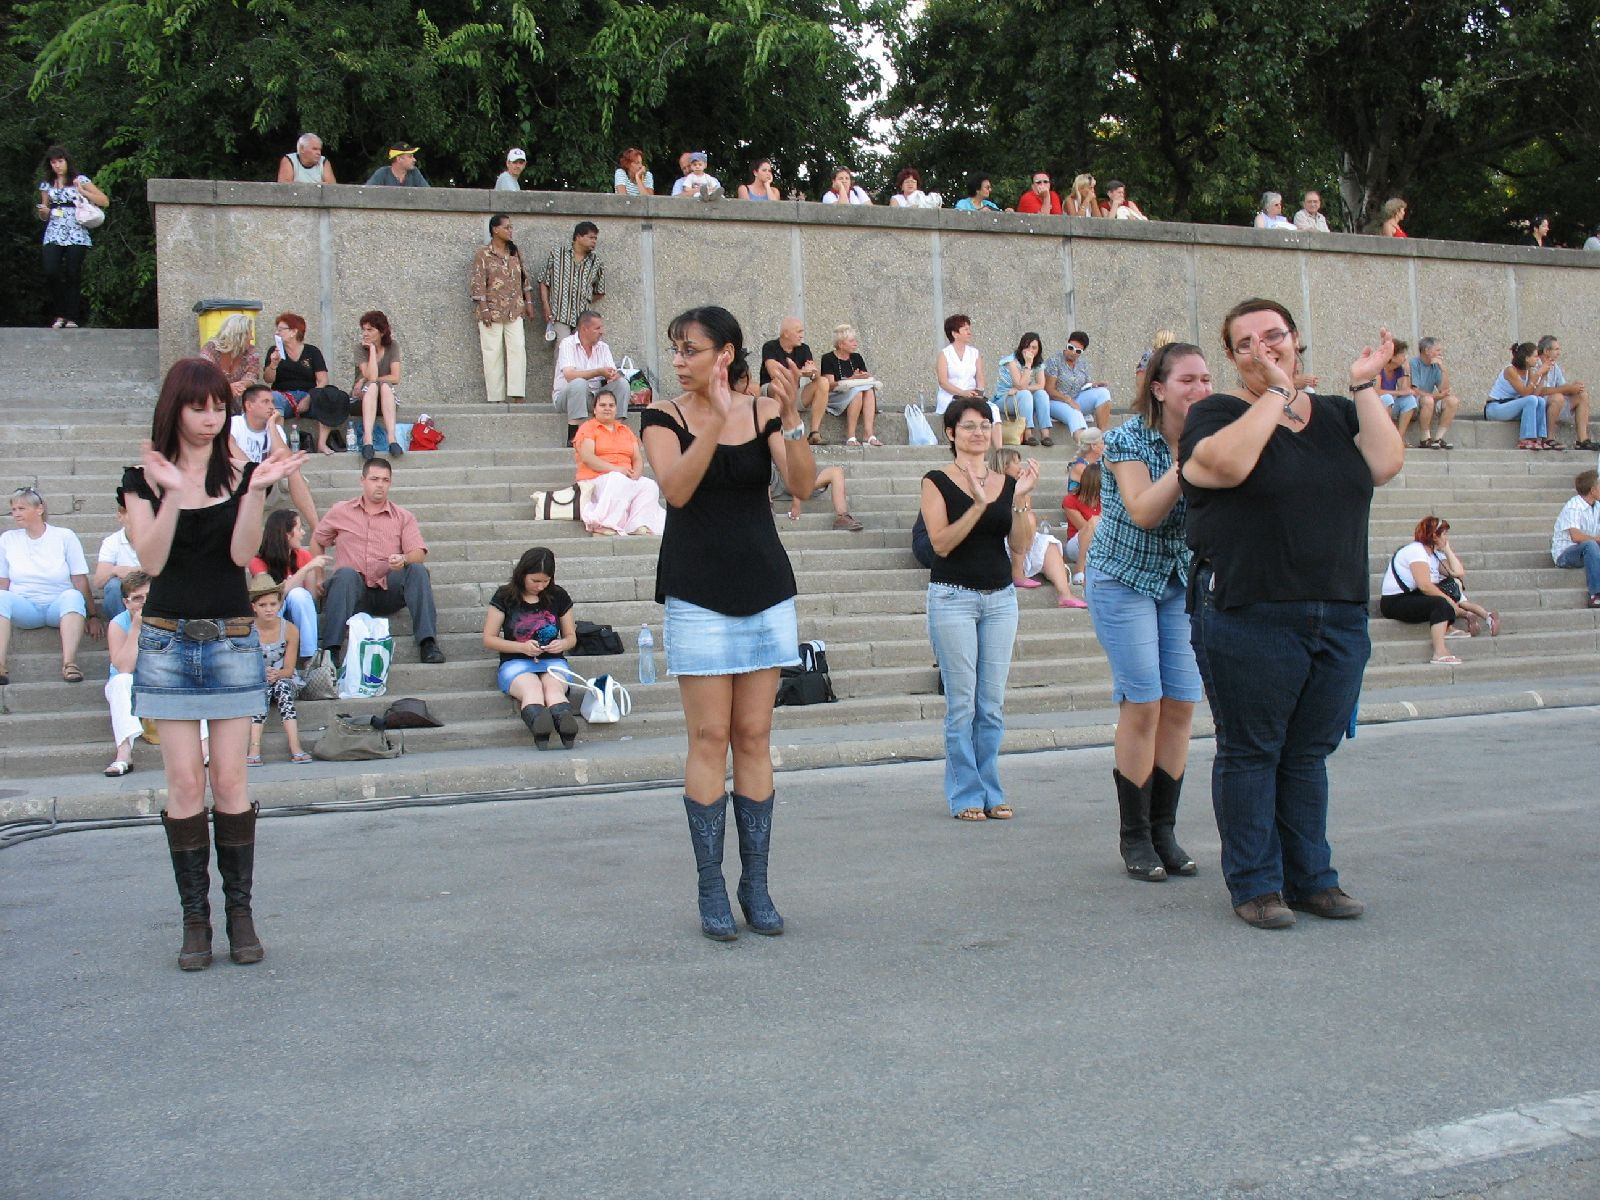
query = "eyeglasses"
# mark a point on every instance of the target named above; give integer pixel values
(1271, 338)
(684, 351)
(975, 427)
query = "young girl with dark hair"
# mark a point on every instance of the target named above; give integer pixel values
(66, 241)
(530, 624)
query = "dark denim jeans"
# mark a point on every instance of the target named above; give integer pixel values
(1282, 679)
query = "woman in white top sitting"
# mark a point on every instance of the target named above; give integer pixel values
(44, 580)
(1271, 214)
(960, 370)
(1412, 591)
(844, 190)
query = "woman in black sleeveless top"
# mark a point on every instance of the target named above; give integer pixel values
(972, 607)
(195, 517)
(729, 592)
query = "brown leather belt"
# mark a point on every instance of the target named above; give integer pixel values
(201, 629)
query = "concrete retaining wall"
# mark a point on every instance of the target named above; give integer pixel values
(332, 252)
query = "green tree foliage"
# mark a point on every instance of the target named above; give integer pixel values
(145, 89)
(1477, 113)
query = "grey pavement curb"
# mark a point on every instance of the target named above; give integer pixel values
(659, 760)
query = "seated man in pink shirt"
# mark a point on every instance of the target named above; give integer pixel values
(378, 554)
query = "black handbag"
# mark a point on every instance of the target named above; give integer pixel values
(596, 639)
(807, 683)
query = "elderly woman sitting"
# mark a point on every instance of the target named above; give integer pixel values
(621, 499)
(234, 350)
(851, 388)
(44, 580)
(1271, 214)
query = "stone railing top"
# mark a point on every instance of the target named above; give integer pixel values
(804, 212)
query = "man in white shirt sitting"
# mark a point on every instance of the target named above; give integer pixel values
(584, 369)
(116, 558)
(1576, 539)
(1310, 218)
(256, 435)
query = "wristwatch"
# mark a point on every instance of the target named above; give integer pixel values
(797, 434)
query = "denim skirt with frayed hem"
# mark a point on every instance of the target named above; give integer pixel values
(702, 642)
(178, 679)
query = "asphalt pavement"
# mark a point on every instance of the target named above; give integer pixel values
(512, 999)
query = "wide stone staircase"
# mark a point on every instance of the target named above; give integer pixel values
(77, 403)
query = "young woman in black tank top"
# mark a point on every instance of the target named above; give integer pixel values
(729, 592)
(195, 518)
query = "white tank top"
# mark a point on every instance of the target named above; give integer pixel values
(963, 373)
(252, 443)
(303, 173)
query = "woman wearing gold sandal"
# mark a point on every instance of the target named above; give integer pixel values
(969, 511)
(44, 580)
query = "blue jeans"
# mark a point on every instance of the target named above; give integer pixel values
(1032, 407)
(1282, 679)
(1529, 410)
(301, 609)
(29, 614)
(1587, 556)
(1069, 416)
(972, 634)
(111, 600)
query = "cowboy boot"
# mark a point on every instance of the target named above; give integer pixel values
(754, 821)
(1138, 855)
(707, 825)
(1164, 791)
(191, 867)
(236, 860)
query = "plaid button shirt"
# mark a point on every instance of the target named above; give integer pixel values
(1142, 559)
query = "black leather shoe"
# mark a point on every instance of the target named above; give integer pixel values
(1265, 912)
(430, 651)
(1333, 904)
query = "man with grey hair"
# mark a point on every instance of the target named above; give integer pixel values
(584, 369)
(306, 164)
(1431, 383)
(1310, 218)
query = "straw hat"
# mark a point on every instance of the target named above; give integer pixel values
(264, 585)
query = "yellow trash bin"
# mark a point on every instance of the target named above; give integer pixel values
(212, 313)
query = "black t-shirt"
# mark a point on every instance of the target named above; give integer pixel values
(979, 560)
(299, 374)
(200, 580)
(539, 621)
(721, 550)
(1296, 528)
(773, 351)
(841, 368)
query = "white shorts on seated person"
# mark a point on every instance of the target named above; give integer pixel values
(1033, 560)
(839, 398)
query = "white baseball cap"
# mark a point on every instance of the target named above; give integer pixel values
(517, 156)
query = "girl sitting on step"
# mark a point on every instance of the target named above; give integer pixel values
(530, 624)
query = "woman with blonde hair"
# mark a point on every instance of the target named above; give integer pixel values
(1081, 201)
(233, 350)
(1164, 337)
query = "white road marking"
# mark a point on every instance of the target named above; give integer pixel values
(1486, 1136)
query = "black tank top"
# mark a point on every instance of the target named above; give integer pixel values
(200, 580)
(721, 550)
(980, 560)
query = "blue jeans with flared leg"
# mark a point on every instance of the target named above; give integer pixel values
(1282, 679)
(972, 634)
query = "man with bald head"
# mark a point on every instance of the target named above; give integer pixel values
(788, 357)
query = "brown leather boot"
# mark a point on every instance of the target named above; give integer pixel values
(236, 857)
(191, 867)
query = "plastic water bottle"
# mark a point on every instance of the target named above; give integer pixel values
(647, 655)
(922, 399)
(549, 331)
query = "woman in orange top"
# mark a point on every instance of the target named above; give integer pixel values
(621, 499)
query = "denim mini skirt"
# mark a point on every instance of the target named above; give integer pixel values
(180, 679)
(702, 642)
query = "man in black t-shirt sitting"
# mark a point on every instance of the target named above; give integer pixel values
(788, 354)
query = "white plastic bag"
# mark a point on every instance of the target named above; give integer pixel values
(370, 650)
(918, 431)
(605, 701)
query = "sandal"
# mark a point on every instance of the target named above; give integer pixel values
(971, 814)
(1071, 602)
(1552, 444)
(70, 673)
(1588, 444)
(252, 760)
(58, 323)
(117, 769)
(302, 757)
(1427, 443)
(1494, 624)
(1025, 582)
(1046, 440)
(1440, 444)
(1454, 633)
(1530, 444)
(816, 439)
(1000, 812)
(852, 443)
(1445, 660)
(873, 441)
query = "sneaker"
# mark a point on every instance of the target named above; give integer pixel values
(848, 523)
(1265, 912)
(1594, 600)
(1333, 904)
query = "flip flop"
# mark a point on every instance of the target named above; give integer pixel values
(1026, 583)
(252, 760)
(1000, 812)
(873, 441)
(1071, 602)
(1445, 660)
(302, 757)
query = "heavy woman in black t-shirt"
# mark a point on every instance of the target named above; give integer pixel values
(968, 511)
(729, 592)
(1279, 484)
(195, 517)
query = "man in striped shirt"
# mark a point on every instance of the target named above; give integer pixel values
(571, 282)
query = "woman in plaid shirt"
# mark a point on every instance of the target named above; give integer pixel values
(1135, 581)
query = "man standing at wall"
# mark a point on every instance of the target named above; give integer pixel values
(572, 280)
(402, 169)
